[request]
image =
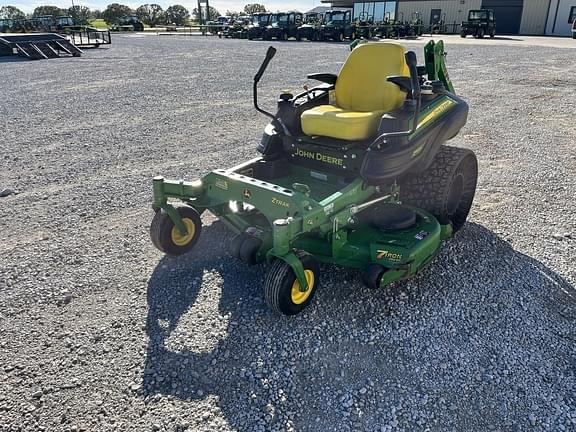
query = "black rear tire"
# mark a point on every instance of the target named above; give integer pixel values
(446, 189)
(280, 282)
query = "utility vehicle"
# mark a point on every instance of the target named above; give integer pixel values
(310, 29)
(480, 23)
(283, 25)
(338, 26)
(257, 28)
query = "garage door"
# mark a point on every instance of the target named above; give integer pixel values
(508, 14)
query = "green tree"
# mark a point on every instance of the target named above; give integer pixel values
(48, 10)
(115, 11)
(177, 14)
(252, 8)
(81, 14)
(150, 14)
(232, 14)
(95, 14)
(212, 14)
(11, 12)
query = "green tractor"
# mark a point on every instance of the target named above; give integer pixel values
(364, 26)
(438, 24)
(128, 23)
(44, 23)
(416, 25)
(386, 29)
(219, 25)
(6, 25)
(338, 26)
(480, 23)
(351, 172)
(237, 29)
(67, 24)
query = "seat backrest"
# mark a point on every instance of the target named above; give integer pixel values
(362, 85)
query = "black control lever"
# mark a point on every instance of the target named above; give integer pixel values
(276, 122)
(413, 67)
(269, 55)
(412, 63)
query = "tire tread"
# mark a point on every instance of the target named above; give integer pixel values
(161, 227)
(429, 190)
(276, 277)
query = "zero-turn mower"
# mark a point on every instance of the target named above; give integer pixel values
(352, 172)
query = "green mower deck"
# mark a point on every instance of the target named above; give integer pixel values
(306, 214)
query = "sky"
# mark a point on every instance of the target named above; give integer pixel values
(221, 5)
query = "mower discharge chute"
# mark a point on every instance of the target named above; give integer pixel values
(352, 172)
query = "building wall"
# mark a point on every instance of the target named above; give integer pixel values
(534, 13)
(558, 18)
(534, 17)
(454, 10)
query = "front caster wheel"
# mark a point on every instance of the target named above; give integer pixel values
(282, 289)
(245, 247)
(168, 239)
(372, 276)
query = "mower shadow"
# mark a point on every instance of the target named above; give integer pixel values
(246, 354)
(506, 38)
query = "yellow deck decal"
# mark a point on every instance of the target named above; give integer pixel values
(280, 203)
(435, 112)
(384, 254)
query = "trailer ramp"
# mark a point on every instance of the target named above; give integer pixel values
(37, 46)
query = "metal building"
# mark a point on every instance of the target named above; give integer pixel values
(525, 17)
(560, 17)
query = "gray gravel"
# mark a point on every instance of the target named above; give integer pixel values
(99, 331)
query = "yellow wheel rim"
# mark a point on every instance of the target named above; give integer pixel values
(299, 297)
(182, 240)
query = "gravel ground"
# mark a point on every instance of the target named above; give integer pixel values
(99, 331)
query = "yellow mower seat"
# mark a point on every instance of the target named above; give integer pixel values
(362, 94)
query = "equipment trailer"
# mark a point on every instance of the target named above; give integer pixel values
(37, 46)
